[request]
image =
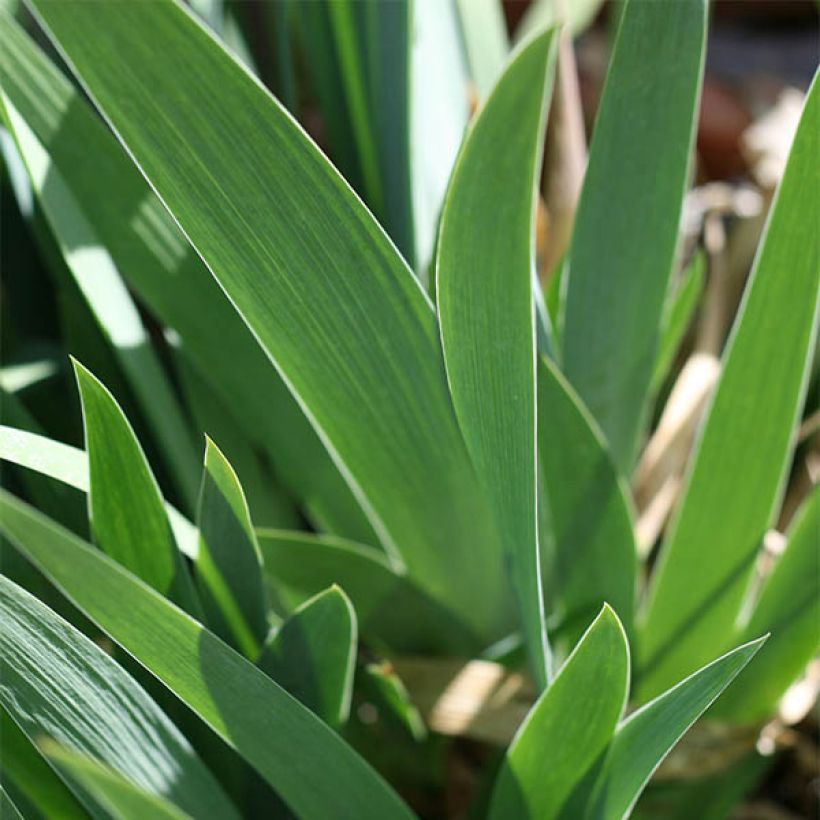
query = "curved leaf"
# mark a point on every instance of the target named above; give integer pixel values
(312, 655)
(626, 228)
(484, 275)
(739, 465)
(57, 683)
(569, 727)
(645, 738)
(126, 511)
(310, 271)
(310, 767)
(228, 565)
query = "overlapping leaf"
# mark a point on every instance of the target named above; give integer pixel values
(485, 303)
(312, 274)
(310, 767)
(740, 462)
(56, 683)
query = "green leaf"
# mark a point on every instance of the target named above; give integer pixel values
(381, 684)
(312, 655)
(594, 559)
(644, 739)
(626, 228)
(739, 465)
(484, 280)
(118, 795)
(32, 777)
(98, 280)
(569, 727)
(677, 316)
(70, 466)
(229, 565)
(484, 32)
(126, 509)
(58, 684)
(159, 265)
(310, 767)
(390, 607)
(335, 307)
(7, 808)
(789, 609)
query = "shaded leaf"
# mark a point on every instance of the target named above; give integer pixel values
(312, 655)
(310, 767)
(57, 683)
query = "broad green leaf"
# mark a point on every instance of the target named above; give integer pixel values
(57, 683)
(309, 766)
(98, 280)
(789, 609)
(118, 795)
(589, 516)
(126, 509)
(159, 265)
(568, 728)
(677, 316)
(644, 739)
(312, 655)
(739, 465)
(70, 466)
(484, 31)
(626, 228)
(228, 565)
(390, 607)
(313, 275)
(487, 315)
(32, 777)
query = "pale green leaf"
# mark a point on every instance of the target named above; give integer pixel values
(309, 766)
(312, 655)
(568, 728)
(56, 683)
(740, 462)
(644, 739)
(484, 32)
(626, 229)
(487, 315)
(789, 609)
(126, 509)
(70, 466)
(228, 564)
(119, 796)
(160, 266)
(312, 274)
(592, 559)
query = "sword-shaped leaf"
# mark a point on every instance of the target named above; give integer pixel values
(312, 274)
(626, 229)
(485, 301)
(568, 728)
(739, 465)
(58, 684)
(312, 769)
(126, 510)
